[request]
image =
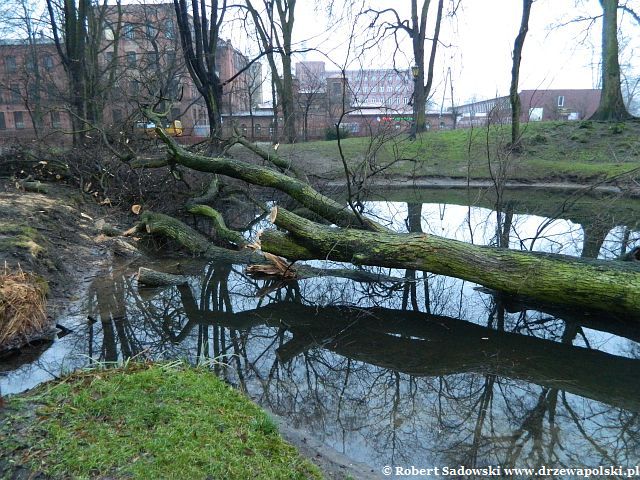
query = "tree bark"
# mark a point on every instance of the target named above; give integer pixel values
(611, 107)
(297, 189)
(422, 84)
(567, 281)
(514, 98)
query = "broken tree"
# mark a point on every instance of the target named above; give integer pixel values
(566, 281)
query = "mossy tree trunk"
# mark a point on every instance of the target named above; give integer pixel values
(611, 107)
(568, 281)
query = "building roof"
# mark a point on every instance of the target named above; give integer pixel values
(40, 40)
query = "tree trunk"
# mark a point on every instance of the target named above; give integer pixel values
(514, 98)
(286, 98)
(611, 107)
(297, 189)
(600, 285)
(423, 83)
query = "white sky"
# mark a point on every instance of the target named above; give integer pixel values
(481, 39)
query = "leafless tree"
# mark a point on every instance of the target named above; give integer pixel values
(389, 22)
(514, 97)
(274, 26)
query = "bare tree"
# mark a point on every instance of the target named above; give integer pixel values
(416, 29)
(79, 36)
(275, 35)
(199, 34)
(312, 91)
(514, 98)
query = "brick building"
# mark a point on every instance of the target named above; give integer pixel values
(537, 105)
(30, 88)
(140, 62)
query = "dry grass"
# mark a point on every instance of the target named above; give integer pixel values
(22, 307)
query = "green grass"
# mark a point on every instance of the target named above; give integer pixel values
(151, 422)
(577, 151)
(20, 236)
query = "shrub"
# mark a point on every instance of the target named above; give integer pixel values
(331, 134)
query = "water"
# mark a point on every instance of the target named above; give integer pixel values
(425, 371)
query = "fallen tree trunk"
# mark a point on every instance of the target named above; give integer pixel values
(602, 285)
(301, 191)
(193, 241)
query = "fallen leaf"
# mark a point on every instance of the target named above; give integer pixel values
(136, 209)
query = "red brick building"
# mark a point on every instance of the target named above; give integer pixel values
(140, 63)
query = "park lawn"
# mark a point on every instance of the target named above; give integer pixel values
(146, 421)
(577, 151)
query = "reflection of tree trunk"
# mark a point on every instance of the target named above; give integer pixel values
(414, 225)
(625, 241)
(594, 235)
(399, 341)
(484, 403)
(505, 220)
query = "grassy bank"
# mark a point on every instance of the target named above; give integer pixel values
(142, 421)
(577, 151)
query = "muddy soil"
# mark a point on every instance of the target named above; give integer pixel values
(54, 236)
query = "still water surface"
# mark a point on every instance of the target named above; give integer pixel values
(424, 370)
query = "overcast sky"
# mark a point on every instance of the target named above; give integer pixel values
(481, 40)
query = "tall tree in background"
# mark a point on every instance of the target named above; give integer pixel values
(514, 98)
(78, 33)
(22, 19)
(417, 31)
(199, 35)
(611, 106)
(275, 36)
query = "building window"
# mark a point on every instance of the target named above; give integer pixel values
(131, 59)
(3, 124)
(257, 129)
(18, 120)
(171, 58)
(169, 31)
(108, 56)
(561, 101)
(47, 61)
(151, 30)
(128, 31)
(117, 115)
(10, 65)
(51, 90)
(55, 120)
(243, 127)
(173, 89)
(134, 87)
(441, 125)
(15, 93)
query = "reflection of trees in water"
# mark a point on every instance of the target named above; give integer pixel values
(344, 383)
